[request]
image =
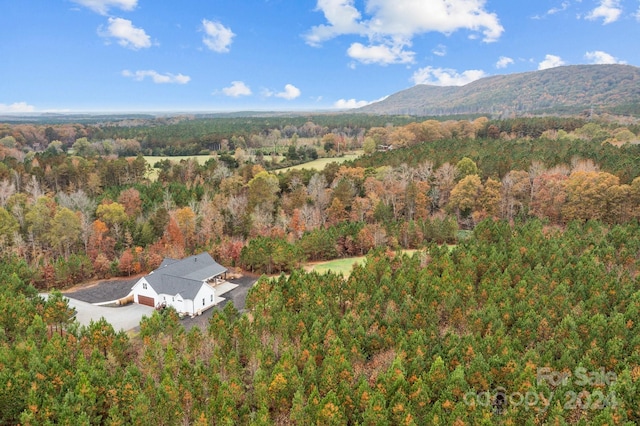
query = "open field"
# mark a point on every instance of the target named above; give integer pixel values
(342, 266)
(201, 159)
(153, 159)
(339, 266)
(320, 163)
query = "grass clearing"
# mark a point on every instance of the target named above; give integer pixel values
(320, 163)
(344, 266)
(201, 159)
(338, 266)
(153, 159)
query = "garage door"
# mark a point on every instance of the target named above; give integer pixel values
(145, 300)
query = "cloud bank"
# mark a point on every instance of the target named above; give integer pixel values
(350, 104)
(600, 57)
(445, 76)
(16, 107)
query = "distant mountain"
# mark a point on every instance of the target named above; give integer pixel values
(573, 89)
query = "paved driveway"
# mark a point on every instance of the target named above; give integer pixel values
(121, 317)
(128, 317)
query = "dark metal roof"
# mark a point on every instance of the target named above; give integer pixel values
(184, 277)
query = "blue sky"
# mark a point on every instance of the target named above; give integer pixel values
(235, 55)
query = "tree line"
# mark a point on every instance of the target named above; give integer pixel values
(72, 217)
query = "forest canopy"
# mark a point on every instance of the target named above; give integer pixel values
(520, 304)
(548, 318)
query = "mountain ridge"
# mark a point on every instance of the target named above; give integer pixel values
(570, 89)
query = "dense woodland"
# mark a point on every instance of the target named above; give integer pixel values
(546, 276)
(88, 213)
(427, 339)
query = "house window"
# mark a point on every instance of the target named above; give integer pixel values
(144, 286)
(212, 297)
(203, 301)
(173, 299)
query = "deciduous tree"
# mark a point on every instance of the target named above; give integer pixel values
(65, 231)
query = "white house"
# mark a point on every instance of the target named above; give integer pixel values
(188, 285)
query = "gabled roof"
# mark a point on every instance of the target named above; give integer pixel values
(167, 261)
(186, 276)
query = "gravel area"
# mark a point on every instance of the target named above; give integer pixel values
(103, 291)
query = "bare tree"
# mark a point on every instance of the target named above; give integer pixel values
(33, 188)
(424, 170)
(445, 180)
(317, 190)
(582, 165)
(7, 189)
(80, 202)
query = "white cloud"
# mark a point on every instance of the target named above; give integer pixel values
(393, 24)
(350, 104)
(217, 37)
(445, 76)
(564, 6)
(600, 57)
(290, 92)
(551, 61)
(503, 62)
(156, 77)
(440, 50)
(380, 54)
(17, 107)
(127, 35)
(102, 6)
(237, 88)
(609, 11)
(342, 17)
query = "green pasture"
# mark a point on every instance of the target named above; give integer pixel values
(338, 266)
(345, 265)
(320, 163)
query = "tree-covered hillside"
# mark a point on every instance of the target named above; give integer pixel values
(565, 90)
